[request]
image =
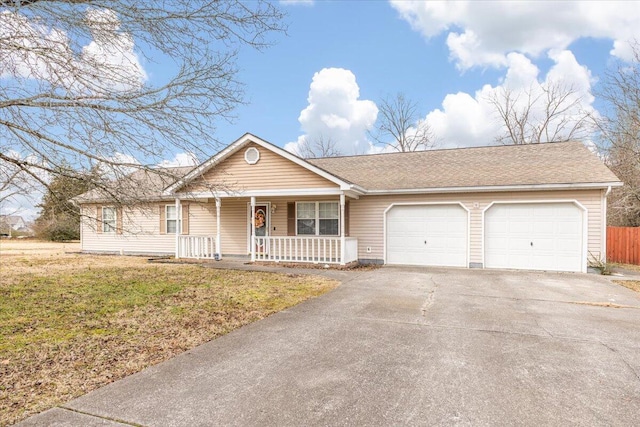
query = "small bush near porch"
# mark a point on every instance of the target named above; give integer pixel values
(70, 323)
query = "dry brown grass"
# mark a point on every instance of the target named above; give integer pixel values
(70, 323)
(39, 248)
(631, 284)
(631, 267)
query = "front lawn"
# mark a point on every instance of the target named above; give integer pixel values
(70, 323)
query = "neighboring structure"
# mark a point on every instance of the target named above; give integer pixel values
(539, 206)
(9, 224)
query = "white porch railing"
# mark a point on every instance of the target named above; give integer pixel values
(196, 247)
(324, 250)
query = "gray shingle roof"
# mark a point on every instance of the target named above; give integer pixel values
(533, 164)
(559, 163)
(144, 184)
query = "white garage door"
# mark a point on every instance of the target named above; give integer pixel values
(427, 235)
(543, 236)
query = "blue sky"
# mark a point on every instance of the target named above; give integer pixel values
(391, 48)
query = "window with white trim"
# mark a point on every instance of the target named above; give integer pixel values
(171, 218)
(317, 219)
(108, 220)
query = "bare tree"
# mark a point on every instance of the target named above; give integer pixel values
(399, 126)
(13, 182)
(620, 131)
(318, 147)
(75, 91)
(17, 189)
(547, 112)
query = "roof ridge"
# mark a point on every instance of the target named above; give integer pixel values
(510, 146)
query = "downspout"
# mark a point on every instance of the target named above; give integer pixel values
(604, 224)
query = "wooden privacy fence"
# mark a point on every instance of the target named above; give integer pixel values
(623, 245)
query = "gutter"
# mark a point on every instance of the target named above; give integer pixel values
(497, 188)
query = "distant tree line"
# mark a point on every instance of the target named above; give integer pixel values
(59, 217)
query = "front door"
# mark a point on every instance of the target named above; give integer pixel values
(260, 218)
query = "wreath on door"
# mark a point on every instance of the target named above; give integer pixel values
(259, 219)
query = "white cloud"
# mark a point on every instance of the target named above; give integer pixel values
(180, 159)
(483, 33)
(110, 56)
(336, 113)
(107, 63)
(34, 52)
(470, 120)
(123, 159)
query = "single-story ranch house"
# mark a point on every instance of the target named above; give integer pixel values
(538, 206)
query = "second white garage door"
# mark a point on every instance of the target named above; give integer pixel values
(427, 235)
(534, 236)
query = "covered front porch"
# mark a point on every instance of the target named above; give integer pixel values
(267, 228)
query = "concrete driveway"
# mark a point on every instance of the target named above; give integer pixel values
(403, 346)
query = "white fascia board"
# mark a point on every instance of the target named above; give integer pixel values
(498, 188)
(238, 144)
(356, 189)
(268, 193)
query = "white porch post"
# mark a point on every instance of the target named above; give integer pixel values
(253, 229)
(178, 226)
(342, 228)
(218, 251)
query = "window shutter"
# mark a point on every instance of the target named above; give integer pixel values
(119, 221)
(99, 219)
(346, 218)
(163, 219)
(185, 219)
(291, 219)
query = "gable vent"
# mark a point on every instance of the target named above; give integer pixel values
(252, 155)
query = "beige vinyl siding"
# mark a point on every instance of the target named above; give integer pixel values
(141, 230)
(272, 172)
(233, 224)
(141, 227)
(367, 216)
(234, 220)
(202, 219)
(140, 233)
